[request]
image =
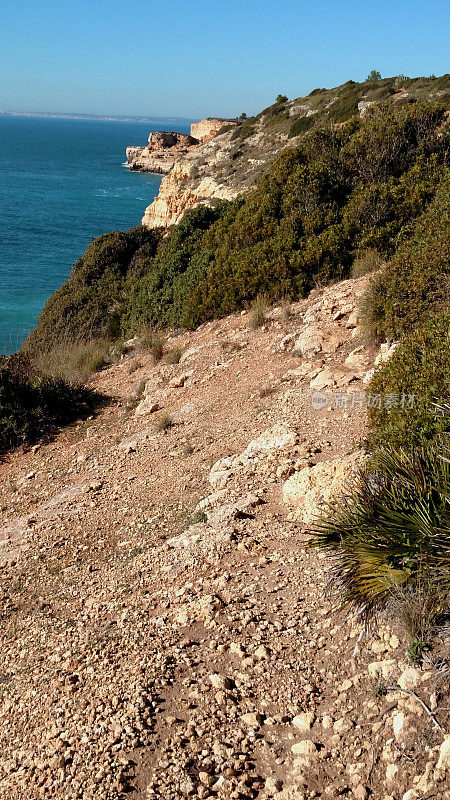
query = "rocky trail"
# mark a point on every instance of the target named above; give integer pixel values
(166, 632)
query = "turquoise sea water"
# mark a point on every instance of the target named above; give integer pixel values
(62, 182)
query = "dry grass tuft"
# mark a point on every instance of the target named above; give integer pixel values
(174, 356)
(259, 313)
(164, 423)
(77, 361)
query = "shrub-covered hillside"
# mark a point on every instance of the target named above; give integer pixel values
(89, 304)
(415, 284)
(342, 190)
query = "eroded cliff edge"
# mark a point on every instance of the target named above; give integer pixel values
(222, 164)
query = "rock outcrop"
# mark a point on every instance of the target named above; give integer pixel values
(208, 128)
(214, 170)
(159, 156)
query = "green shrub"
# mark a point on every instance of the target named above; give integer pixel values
(88, 305)
(344, 107)
(301, 125)
(391, 533)
(415, 650)
(402, 393)
(32, 406)
(244, 129)
(416, 282)
(174, 355)
(157, 299)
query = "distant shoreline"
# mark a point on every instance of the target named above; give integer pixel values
(97, 117)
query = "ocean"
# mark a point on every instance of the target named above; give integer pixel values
(62, 182)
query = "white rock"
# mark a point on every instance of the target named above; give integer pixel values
(220, 681)
(304, 748)
(444, 755)
(309, 341)
(146, 406)
(252, 719)
(410, 678)
(304, 721)
(392, 771)
(411, 794)
(368, 376)
(386, 353)
(385, 668)
(398, 723)
(308, 490)
(324, 379)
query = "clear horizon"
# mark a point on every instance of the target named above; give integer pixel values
(111, 59)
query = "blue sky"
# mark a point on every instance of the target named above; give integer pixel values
(196, 58)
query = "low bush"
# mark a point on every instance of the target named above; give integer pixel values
(75, 362)
(403, 393)
(173, 356)
(391, 533)
(88, 304)
(33, 406)
(301, 125)
(164, 422)
(415, 284)
(154, 342)
(344, 107)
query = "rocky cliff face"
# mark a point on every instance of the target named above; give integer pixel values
(193, 180)
(208, 128)
(159, 156)
(221, 167)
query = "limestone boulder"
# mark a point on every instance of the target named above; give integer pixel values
(308, 490)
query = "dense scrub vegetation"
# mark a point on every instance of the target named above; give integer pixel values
(417, 377)
(317, 207)
(323, 107)
(415, 284)
(32, 405)
(89, 303)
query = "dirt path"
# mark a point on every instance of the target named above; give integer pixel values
(153, 649)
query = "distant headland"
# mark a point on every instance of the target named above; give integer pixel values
(101, 117)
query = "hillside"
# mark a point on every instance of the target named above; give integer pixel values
(340, 192)
(242, 150)
(165, 632)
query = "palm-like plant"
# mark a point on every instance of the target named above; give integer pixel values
(391, 531)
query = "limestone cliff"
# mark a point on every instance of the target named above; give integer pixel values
(159, 156)
(223, 165)
(208, 128)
